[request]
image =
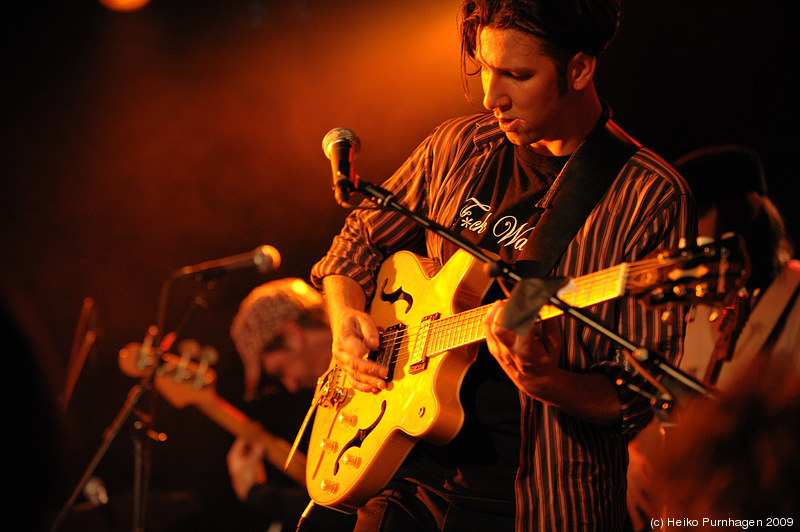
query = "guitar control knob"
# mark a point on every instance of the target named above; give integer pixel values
(351, 460)
(348, 418)
(329, 486)
(328, 445)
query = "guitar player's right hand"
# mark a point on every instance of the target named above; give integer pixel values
(354, 333)
(354, 336)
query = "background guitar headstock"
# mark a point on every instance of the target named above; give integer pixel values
(710, 272)
(182, 380)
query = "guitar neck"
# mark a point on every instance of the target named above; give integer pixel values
(467, 327)
(276, 450)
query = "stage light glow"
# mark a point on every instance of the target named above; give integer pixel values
(124, 5)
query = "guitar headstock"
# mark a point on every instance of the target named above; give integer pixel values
(182, 380)
(710, 272)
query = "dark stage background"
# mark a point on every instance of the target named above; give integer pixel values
(137, 143)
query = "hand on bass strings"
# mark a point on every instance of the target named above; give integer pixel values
(245, 467)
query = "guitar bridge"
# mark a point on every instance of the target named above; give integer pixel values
(330, 391)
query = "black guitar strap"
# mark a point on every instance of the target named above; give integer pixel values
(582, 183)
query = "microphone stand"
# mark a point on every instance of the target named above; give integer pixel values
(639, 356)
(385, 200)
(135, 395)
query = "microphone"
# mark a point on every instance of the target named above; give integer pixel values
(341, 146)
(264, 258)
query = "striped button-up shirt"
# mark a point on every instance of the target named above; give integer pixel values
(571, 473)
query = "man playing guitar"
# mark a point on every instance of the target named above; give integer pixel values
(546, 423)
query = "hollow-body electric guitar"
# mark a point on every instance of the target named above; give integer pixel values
(430, 323)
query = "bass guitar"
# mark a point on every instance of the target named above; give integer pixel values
(183, 381)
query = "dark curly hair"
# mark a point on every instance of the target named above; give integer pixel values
(565, 27)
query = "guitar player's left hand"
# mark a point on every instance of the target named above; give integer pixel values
(525, 359)
(532, 363)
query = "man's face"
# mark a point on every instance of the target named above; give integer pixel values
(291, 366)
(520, 85)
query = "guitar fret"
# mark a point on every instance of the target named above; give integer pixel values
(466, 327)
(456, 331)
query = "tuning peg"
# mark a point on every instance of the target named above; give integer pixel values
(679, 290)
(704, 241)
(657, 296)
(156, 436)
(668, 316)
(189, 348)
(209, 356)
(701, 291)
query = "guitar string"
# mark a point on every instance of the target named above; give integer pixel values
(589, 284)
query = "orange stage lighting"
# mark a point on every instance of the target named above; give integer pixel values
(124, 5)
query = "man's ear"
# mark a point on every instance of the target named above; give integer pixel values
(580, 71)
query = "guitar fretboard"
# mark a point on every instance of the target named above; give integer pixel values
(466, 327)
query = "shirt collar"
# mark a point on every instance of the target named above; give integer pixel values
(488, 133)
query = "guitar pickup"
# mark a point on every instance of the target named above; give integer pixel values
(418, 360)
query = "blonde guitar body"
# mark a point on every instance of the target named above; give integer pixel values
(364, 437)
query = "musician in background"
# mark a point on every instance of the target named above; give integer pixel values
(730, 188)
(544, 442)
(281, 332)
